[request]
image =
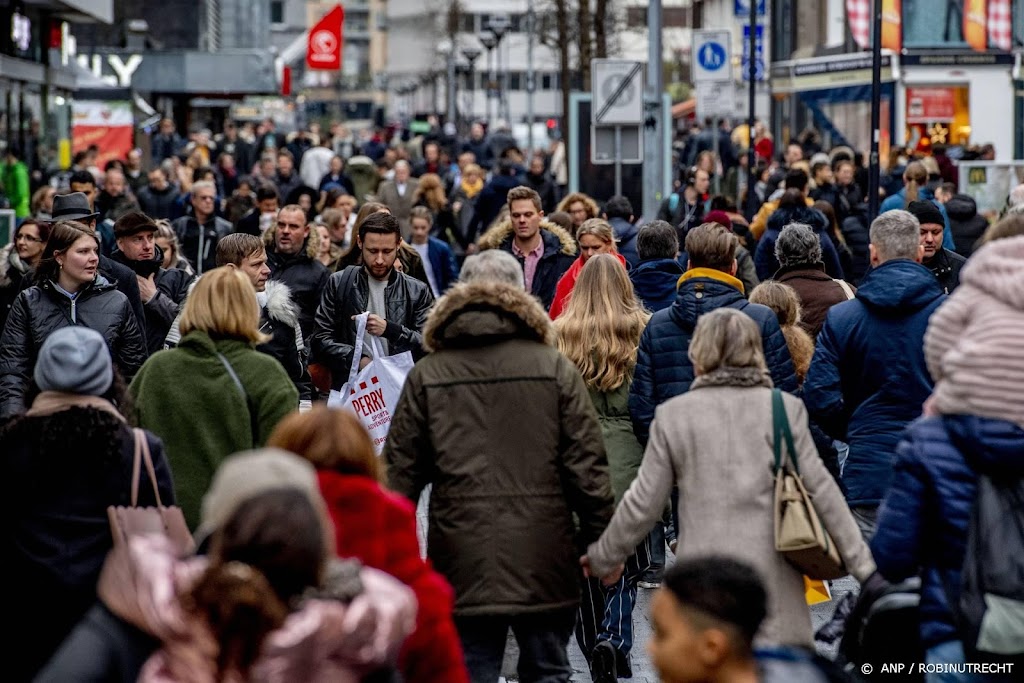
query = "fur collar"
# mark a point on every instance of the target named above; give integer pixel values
(487, 309)
(279, 304)
(733, 377)
(493, 238)
(9, 259)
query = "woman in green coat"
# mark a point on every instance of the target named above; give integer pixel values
(214, 394)
(599, 331)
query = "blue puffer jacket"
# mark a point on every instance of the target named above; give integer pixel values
(899, 201)
(764, 258)
(868, 378)
(625, 236)
(655, 282)
(922, 527)
(663, 369)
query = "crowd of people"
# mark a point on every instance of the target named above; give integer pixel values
(592, 391)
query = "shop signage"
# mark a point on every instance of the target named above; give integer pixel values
(323, 49)
(963, 59)
(818, 74)
(927, 105)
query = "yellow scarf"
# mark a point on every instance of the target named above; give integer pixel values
(472, 189)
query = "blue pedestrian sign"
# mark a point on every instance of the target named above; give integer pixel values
(759, 53)
(711, 61)
(742, 8)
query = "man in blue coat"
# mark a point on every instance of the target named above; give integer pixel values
(868, 379)
(656, 276)
(663, 368)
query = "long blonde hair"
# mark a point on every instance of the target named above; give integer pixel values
(602, 323)
(223, 304)
(785, 303)
(431, 190)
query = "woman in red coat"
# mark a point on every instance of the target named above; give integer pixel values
(378, 528)
(595, 236)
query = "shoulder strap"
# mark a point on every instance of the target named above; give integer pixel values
(142, 454)
(846, 287)
(253, 427)
(781, 430)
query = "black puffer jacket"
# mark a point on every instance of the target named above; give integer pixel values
(304, 275)
(172, 288)
(966, 224)
(279, 319)
(347, 294)
(39, 311)
(12, 275)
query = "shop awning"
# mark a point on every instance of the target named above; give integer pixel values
(685, 109)
(835, 71)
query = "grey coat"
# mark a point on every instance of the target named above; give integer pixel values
(714, 443)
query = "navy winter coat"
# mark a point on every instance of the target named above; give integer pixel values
(663, 369)
(625, 236)
(868, 378)
(764, 257)
(655, 282)
(922, 528)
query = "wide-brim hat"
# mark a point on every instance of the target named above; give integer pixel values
(73, 206)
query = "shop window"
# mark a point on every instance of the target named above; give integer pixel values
(516, 80)
(938, 115)
(276, 11)
(933, 23)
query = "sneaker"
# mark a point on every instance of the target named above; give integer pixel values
(651, 578)
(602, 663)
(622, 665)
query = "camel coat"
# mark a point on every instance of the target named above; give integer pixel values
(715, 443)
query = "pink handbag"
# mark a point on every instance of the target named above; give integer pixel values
(133, 520)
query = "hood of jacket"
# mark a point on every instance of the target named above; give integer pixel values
(898, 287)
(780, 218)
(990, 446)
(705, 289)
(624, 230)
(477, 313)
(962, 207)
(496, 236)
(653, 272)
(279, 305)
(9, 260)
(996, 270)
(311, 244)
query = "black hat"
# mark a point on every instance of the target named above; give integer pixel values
(72, 207)
(926, 212)
(132, 223)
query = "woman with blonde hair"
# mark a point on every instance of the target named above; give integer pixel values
(378, 528)
(580, 206)
(600, 332)
(595, 236)
(167, 239)
(214, 394)
(715, 444)
(783, 300)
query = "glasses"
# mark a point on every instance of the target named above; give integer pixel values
(204, 198)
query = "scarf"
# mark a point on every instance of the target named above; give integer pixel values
(472, 189)
(50, 402)
(728, 376)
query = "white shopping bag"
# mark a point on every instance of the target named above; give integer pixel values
(372, 393)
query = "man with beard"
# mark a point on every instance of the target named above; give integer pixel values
(291, 256)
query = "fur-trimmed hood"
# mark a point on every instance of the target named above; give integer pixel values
(312, 241)
(496, 236)
(9, 259)
(491, 310)
(279, 303)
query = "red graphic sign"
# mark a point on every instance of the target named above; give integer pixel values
(926, 105)
(323, 47)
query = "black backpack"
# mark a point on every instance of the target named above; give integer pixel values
(884, 630)
(990, 609)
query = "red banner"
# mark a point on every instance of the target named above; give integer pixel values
(323, 47)
(927, 105)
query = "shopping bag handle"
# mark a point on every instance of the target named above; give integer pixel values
(357, 350)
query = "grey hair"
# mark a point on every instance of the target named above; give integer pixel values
(657, 240)
(1017, 196)
(493, 265)
(402, 163)
(796, 245)
(726, 337)
(896, 234)
(204, 185)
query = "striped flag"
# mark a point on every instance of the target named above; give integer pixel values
(1000, 24)
(858, 14)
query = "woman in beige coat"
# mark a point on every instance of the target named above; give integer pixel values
(714, 443)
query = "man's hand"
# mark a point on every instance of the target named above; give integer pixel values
(376, 325)
(364, 361)
(472, 249)
(456, 207)
(609, 579)
(147, 288)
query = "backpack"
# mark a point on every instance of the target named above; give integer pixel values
(884, 627)
(990, 610)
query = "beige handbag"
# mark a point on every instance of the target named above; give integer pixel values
(126, 522)
(799, 534)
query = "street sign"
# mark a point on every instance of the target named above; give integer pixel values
(602, 145)
(759, 63)
(742, 8)
(715, 100)
(618, 92)
(711, 56)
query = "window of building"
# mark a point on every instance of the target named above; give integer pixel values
(546, 81)
(516, 81)
(276, 11)
(467, 23)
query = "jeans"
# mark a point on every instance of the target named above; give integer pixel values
(952, 652)
(543, 638)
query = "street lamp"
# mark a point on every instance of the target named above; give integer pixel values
(489, 41)
(447, 49)
(471, 54)
(499, 25)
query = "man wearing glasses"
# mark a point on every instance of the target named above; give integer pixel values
(199, 233)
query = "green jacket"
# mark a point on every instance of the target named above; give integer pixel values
(620, 443)
(187, 398)
(14, 179)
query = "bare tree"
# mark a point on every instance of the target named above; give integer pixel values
(601, 19)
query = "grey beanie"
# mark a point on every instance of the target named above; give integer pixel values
(74, 360)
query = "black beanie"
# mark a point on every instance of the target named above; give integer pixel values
(926, 212)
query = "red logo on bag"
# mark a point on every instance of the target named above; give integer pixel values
(373, 380)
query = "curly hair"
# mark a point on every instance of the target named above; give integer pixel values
(572, 198)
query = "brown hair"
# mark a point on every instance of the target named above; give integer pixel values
(62, 235)
(711, 245)
(431, 190)
(330, 439)
(354, 255)
(223, 304)
(574, 197)
(1010, 226)
(916, 177)
(785, 303)
(237, 247)
(522, 192)
(830, 214)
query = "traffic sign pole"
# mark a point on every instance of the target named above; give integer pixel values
(654, 150)
(751, 118)
(618, 160)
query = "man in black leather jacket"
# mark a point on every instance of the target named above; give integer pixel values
(163, 292)
(398, 304)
